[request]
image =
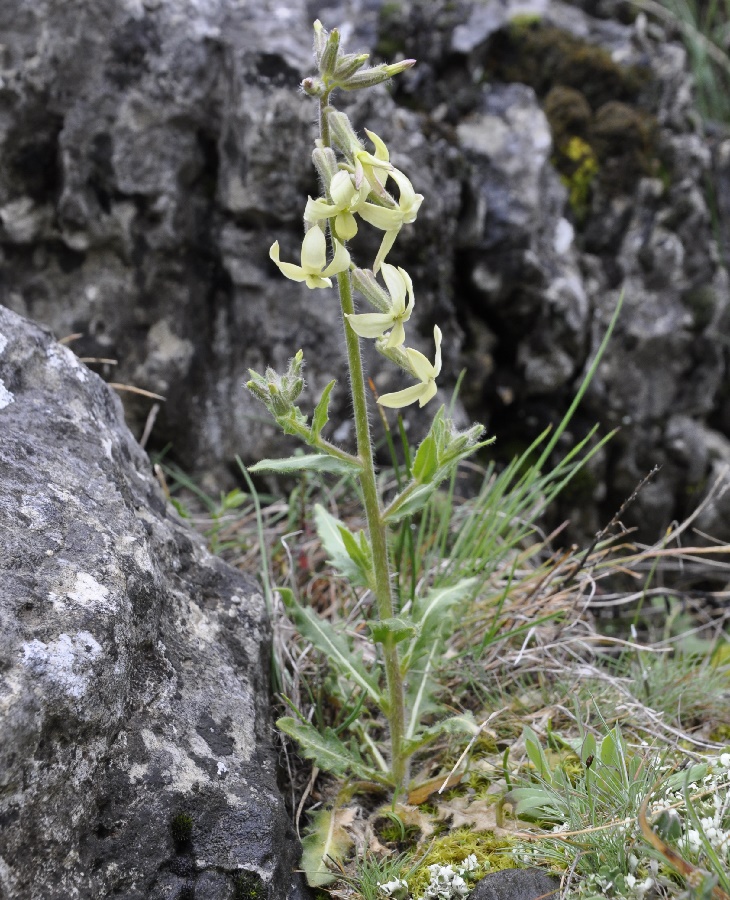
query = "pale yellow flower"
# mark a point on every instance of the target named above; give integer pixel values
(391, 219)
(345, 201)
(423, 369)
(372, 168)
(314, 258)
(373, 325)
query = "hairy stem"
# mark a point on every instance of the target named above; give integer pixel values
(376, 526)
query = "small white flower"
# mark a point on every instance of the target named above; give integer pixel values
(725, 760)
(423, 369)
(372, 325)
(314, 258)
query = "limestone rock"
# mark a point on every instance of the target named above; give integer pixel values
(152, 150)
(135, 750)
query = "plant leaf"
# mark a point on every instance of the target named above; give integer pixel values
(415, 500)
(321, 413)
(426, 460)
(326, 839)
(335, 647)
(353, 565)
(307, 462)
(326, 750)
(398, 629)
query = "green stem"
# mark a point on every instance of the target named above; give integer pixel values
(378, 537)
(377, 528)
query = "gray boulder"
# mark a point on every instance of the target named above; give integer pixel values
(151, 152)
(136, 753)
(517, 884)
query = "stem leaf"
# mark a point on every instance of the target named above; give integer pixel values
(321, 413)
(308, 462)
(352, 558)
(396, 629)
(332, 644)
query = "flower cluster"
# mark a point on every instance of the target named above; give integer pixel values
(358, 186)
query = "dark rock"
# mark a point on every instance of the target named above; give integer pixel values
(135, 754)
(152, 152)
(517, 884)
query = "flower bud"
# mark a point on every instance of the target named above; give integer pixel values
(349, 64)
(364, 280)
(328, 60)
(325, 162)
(313, 87)
(320, 40)
(343, 134)
(377, 75)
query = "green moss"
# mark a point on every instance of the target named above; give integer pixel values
(578, 167)
(492, 853)
(249, 886)
(544, 57)
(181, 826)
(721, 734)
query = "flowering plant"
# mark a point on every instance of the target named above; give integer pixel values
(363, 185)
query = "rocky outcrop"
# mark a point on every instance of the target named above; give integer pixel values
(135, 750)
(152, 151)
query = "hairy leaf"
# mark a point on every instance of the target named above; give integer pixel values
(308, 462)
(326, 839)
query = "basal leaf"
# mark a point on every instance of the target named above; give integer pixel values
(325, 749)
(326, 839)
(308, 462)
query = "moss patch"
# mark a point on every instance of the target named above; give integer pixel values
(492, 853)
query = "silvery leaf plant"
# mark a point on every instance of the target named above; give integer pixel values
(361, 187)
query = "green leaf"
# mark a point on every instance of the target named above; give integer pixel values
(414, 497)
(398, 629)
(462, 724)
(426, 460)
(347, 556)
(537, 755)
(308, 462)
(439, 601)
(326, 750)
(332, 644)
(325, 839)
(321, 413)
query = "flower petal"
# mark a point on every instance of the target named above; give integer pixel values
(428, 394)
(437, 358)
(342, 190)
(385, 245)
(370, 325)
(380, 216)
(399, 399)
(314, 251)
(396, 287)
(345, 226)
(316, 281)
(295, 273)
(340, 261)
(421, 366)
(318, 209)
(381, 151)
(397, 336)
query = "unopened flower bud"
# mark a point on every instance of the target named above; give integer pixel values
(396, 68)
(313, 87)
(320, 40)
(370, 77)
(348, 64)
(364, 280)
(328, 60)
(325, 162)
(343, 134)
